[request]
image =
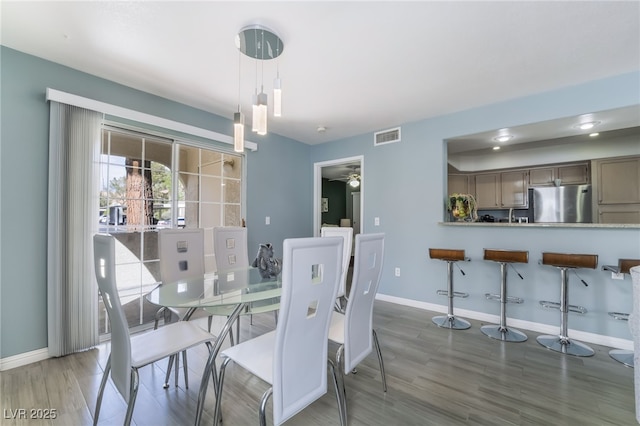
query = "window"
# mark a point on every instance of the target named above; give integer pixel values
(147, 183)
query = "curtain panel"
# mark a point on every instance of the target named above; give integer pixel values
(72, 299)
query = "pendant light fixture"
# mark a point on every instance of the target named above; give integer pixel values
(261, 44)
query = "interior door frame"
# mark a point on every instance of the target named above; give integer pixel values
(317, 189)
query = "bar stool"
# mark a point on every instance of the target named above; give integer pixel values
(450, 256)
(623, 356)
(564, 262)
(504, 258)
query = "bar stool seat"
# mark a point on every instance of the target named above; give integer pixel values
(623, 356)
(565, 262)
(450, 256)
(504, 258)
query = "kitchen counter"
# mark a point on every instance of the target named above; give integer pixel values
(544, 225)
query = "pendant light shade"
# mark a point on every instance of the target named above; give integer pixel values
(238, 131)
(254, 112)
(262, 114)
(277, 97)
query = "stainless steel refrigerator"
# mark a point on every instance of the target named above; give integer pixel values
(561, 204)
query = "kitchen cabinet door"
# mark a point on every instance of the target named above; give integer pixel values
(488, 190)
(514, 187)
(577, 174)
(619, 181)
(458, 184)
(619, 213)
(542, 177)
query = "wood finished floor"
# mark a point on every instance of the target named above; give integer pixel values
(435, 377)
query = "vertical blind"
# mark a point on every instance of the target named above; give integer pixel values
(74, 149)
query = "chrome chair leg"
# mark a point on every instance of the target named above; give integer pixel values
(185, 369)
(132, 396)
(216, 412)
(377, 345)
(340, 366)
(342, 403)
(263, 406)
(103, 382)
(169, 367)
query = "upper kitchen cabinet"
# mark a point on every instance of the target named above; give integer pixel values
(459, 184)
(502, 190)
(513, 186)
(569, 174)
(488, 191)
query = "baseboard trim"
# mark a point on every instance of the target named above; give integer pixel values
(597, 339)
(23, 359)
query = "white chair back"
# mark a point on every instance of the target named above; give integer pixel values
(104, 263)
(347, 234)
(181, 253)
(310, 278)
(230, 247)
(358, 339)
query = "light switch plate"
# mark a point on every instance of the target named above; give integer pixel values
(397, 271)
(267, 220)
(376, 221)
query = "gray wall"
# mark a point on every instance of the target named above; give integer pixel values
(274, 184)
(403, 185)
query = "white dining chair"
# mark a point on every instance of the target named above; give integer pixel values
(293, 359)
(231, 252)
(181, 255)
(353, 330)
(130, 353)
(346, 233)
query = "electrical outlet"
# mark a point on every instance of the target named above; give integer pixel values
(267, 220)
(376, 221)
(617, 276)
(397, 272)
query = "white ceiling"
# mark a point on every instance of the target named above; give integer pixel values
(353, 67)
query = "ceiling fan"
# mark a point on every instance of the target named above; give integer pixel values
(352, 179)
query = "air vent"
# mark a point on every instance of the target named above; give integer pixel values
(386, 136)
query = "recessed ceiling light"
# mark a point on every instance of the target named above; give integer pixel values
(503, 138)
(593, 135)
(495, 148)
(588, 125)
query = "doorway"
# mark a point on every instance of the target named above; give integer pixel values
(342, 172)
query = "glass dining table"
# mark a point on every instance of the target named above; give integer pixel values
(230, 292)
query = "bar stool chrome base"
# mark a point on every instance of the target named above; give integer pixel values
(623, 356)
(565, 346)
(502, 333)
(451, 322)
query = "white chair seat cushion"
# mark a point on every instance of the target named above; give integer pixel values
(158, 344)
(336, 329)
(255, 355)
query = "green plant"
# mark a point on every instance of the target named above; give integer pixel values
(462, 206)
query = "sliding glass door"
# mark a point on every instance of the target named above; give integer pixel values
(149, 183)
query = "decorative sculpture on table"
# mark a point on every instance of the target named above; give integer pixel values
(463, 207)
(268, 265)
